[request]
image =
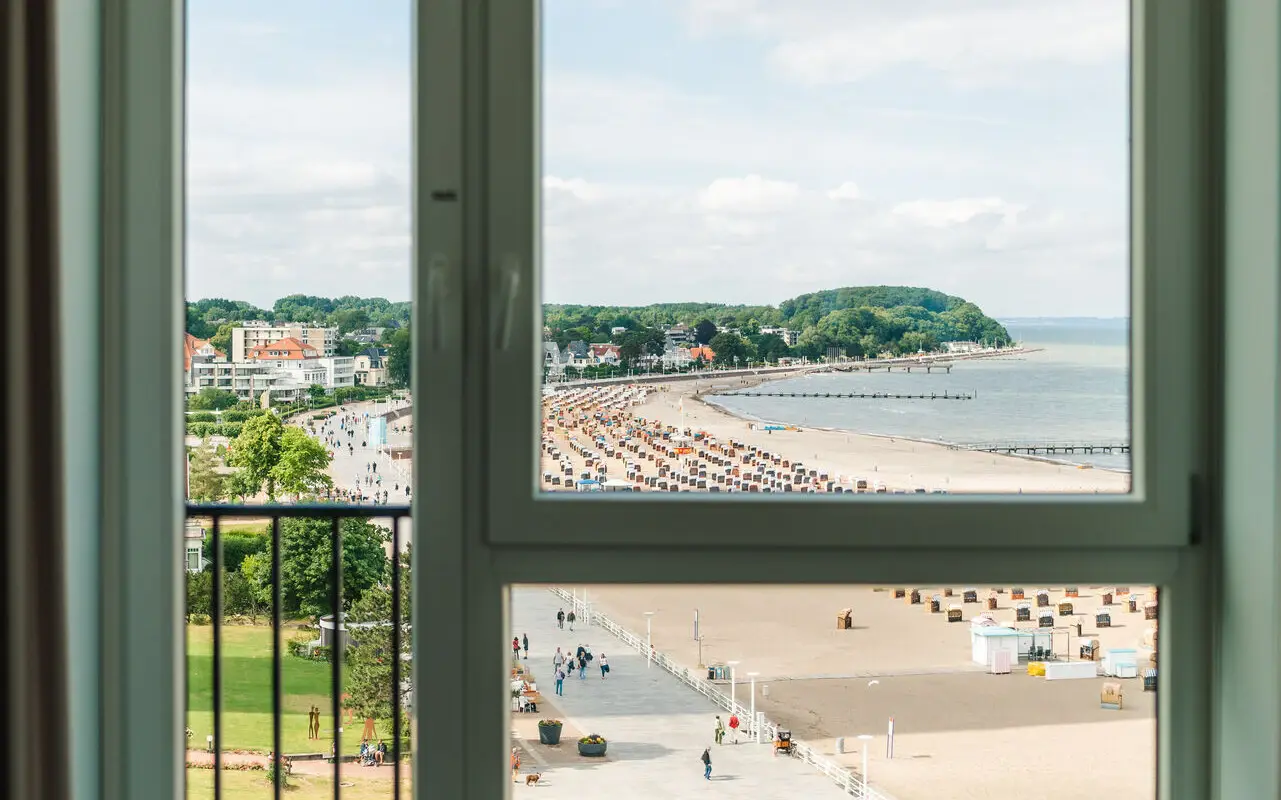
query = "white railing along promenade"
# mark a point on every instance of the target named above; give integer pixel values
(852, 784)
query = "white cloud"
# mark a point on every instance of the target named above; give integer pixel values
(971, 42)
(576, 187)
(846, 191)
(943, 213)
(752, 194)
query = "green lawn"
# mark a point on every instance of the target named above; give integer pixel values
(246, 693)
(255, 786)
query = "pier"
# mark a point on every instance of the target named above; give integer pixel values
(858, 395)
(1047, 448)
(891, 365)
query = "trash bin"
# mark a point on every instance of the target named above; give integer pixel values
(840, 744)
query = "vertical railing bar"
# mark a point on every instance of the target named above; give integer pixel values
(277, 675)
(335, 649)
(395, 656)
(215, 614)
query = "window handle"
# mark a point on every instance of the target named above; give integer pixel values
(510, 291)
(437, 270)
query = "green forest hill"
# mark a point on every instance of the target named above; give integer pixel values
(860, 320)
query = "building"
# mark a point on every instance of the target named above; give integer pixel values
(576, 354)
(198, 351)
(256, 333)
(605, 354)
(304, 364)
(962, 347)
(554, 359)
(704, 352)
(193, 553)
(367, 335)
(678, 335)
(676, 358)
(371, 367)
(789, 337)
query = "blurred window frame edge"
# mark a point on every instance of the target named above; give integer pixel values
(1204, 754)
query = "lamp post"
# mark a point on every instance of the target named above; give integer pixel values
(865, 738)
(756, 730)
(733, 705)
(649, 639)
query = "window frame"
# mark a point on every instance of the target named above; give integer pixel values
(1170, 348)
(1210, 678)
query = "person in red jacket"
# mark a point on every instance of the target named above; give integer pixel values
(733, 726)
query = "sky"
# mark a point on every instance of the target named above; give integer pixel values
(737, 151)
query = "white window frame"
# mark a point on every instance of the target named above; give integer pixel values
(1220, 707)
(1170, 251)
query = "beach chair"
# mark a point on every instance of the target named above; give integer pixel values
(1102, 618)
(970, 595)
(1106, 599)
(1023, 612)
(1042, 598)
(1072, 591)
(936, 604)
(1065, 608)
(991, 602)
(914, 597)
(1046, 619)
(954, 612)
(1149, 680)
(1149, 610)
(900, 593)
(1016, 593)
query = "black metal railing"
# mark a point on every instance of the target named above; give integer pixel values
(335, 513)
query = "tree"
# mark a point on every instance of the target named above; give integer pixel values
(221, 340)
(205, 483)
(256, 568)
(351, 319)
(704, 331)
(726, 347)
(236, 547)
(199, 592)
(211, 399)
(315, 392)
(398, 358)
(256, 453)
(305, 549)
(301, 465)
(369, 677)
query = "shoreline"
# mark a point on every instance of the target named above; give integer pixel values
(707, 401)
(897, 462)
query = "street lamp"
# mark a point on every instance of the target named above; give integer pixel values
(649, 639)
(733, 706)
(865, 738)
(756, 729)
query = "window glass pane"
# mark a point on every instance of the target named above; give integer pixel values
(1001, 691)
(888, 242)
(296, 374)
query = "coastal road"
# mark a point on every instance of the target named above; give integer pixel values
(656, 727)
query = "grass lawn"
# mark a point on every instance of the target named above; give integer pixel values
(246, 693)
(255, 786)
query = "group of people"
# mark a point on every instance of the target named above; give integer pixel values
(372, 755)
(565, 665)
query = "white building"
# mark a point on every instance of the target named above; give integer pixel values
(371, 367)
(789, 337)
(304, 364)
(193, 554)
(676, 358)
(962, 347)
(256, 333)
(678, 335)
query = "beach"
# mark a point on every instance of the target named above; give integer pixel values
(959, 732)
(901, 464)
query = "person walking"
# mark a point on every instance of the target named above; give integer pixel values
(582, 665)
(570, 620)
(560, 619)
(560, 682)
(515, 648)
(515, 760)
(707, 763)
(558, 659)
(604, 666)
(524, 641)
(719, 734)
(733, 726)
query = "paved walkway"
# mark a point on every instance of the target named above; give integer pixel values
(656, 727)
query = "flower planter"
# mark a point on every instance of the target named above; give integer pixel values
(585, 749)
(549, 734)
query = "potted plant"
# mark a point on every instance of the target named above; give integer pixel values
(592, 745)
(549, 731)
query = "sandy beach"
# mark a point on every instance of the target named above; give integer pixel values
(899, 463)
(960, 732)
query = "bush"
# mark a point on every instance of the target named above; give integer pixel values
(198, 619)
(202, 416)
(230, 429)
(236, 415)
(202, 429)
(235, 547)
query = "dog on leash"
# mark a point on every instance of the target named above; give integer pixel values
(532, 780)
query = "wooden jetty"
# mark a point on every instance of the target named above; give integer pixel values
(892, 365)
(859, 395)
(1047, 448)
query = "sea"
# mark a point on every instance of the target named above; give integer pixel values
(1074, 389)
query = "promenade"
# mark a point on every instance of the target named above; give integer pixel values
(656, 727)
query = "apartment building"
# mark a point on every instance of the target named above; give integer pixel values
(370, 367)
(789, 337)
(301, 362)
(257, 333)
